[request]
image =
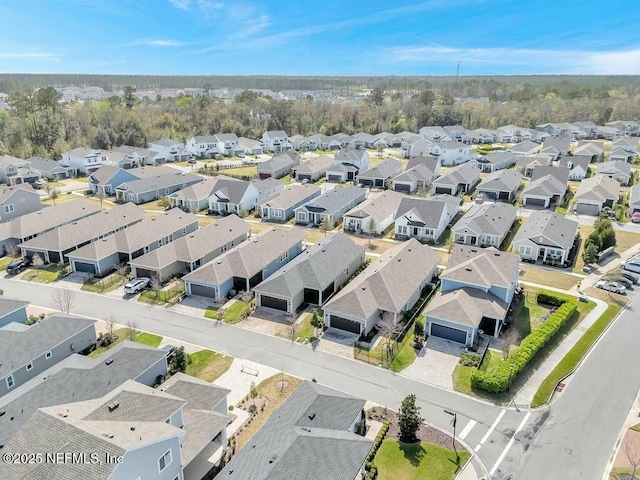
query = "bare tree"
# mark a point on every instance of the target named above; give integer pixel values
(133, 330)
(111, 325)
(155, 284)
(12, 250)
(100, 195)
(37, 261)
(389, 329)
(63, 299)
(53, 192)
(122, 270)
(325, 226)
(372, 227)
(631, 449)
(509, 338)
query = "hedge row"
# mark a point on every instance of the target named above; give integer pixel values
(369, 466)
(548, 299)
(498, 380)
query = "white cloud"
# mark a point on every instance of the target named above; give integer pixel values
(520, 60)
(181, 4)
(162, 43)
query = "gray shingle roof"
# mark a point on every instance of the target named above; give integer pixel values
(266, 184)
(428, 210)
(614, 167)
(543, 223)
(129, 150)
(378, 206)
(75, 379)
(160, 182)
(167, 142)
(334, 199)
(196, 245)
(199, 395)
(465, 173)
(524, 147)
(490, 218)
(315, 268)
(7, 190)
(531, 161)
(428, 161)
(545, 186)
(306, 438)
(634, 196)
(226, 137)
(315, 164)
(350, 155)
(575, 162)
(86, 229)
(135, 406)
(277, 162)
(201, 426)
(502, 180)
(46, 164)
(388, 282)
(290, 196)
(202, 190)
(497, 158)
(414, 174)
(383, 170)
(559, 173)
(248, 258)
(561, 143)
(485, 267)
(466, 306)
(10, 305)
(599, 188)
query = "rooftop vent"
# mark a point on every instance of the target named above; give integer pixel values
(113, 405)
(312, 415)
(63, 415)
(133, 429)
(109, 362)
(273, 459)
(107, 435)
(468, 269)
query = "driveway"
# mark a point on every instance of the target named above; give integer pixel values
(337, 342)
(435, 362)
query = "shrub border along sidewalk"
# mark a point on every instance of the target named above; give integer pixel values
(499, 380)
(574, 357)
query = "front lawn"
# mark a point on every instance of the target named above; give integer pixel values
(237, 312)
(207, 365)
(47, 274)
(6, 260)
(286, 180)
(127, 334)
(106, 285)
(148, 339)
(250, 171)
(417, 461)
(305, 330)
(211, 312)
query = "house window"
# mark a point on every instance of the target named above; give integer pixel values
(402, 230)
(525, 250)
(283, 257)
(47, 355)
(29, 366)
(10, 381)
(223, 248)
(164, 461)
(184, 231)
(8, 208)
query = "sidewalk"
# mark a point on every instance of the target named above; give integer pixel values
(612, 264)
(528, 390)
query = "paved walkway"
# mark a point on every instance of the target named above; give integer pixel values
(528, 390)
(239, 377)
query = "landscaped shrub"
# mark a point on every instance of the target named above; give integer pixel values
(469, 360)
(379, 439)
(498, 380)
(548, 299)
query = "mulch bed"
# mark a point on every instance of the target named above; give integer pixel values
(425, 434)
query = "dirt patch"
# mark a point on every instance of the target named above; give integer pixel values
(282, 385)
(426, 433)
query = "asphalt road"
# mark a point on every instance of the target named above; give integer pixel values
(485, 428)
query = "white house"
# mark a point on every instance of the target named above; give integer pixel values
(203, 146)
(425, 218)
(451, 153)
(275, 141)
(85, 160)
(173, 150)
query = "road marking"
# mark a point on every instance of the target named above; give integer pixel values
(467, 429)
(490, 431)
(513, 439)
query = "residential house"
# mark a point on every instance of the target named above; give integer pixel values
(27, 351)
(30, 225)
(561, 144)
(476, 291)
(590, 150)
(12, 311)
(300, 143)
(429, 161)
(101, 257)
(436, 134)
(363, 140)
(626, 143)
(251, 147)
(616, 169)
(415, 145)
(560, 129)
(485, 225)
(347, 164)
(390, 286)
(172, 150)
(525, 148)
(379, 175)
(500, 185)
(275, 141)
(138, 157)
(450, 153)
(51, 169)
(482, 136)
(150, 188)
(14, 171)
(107, 178)
(419, 174)
(513, 134)
(267, 187)
(634, 200)
(526, 164)
(280, 207)
(374, 215)
(620, 154)
(54, 245)
(229, 144)
(314, 418)
(588, 127)
(312, 277)
(18, 200)
(425, 218)
(233, 196)
(627, 127)
(578, 167)
(280, 165)
(324, 142)
(330, 206)
(547, 187)
(546, 237)
(495, 161)
(394, 140)
(594, 194)
(78, 378)
(191, 251)
(195, 198)
(460, 179)
(608, 133)
(203, 146)
(457, 133)
(85, 160)
(551, 151)
(313, 169)
(246, 265)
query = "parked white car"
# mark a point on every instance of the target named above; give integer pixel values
(614, 287)
(136, 285)
(633, 265)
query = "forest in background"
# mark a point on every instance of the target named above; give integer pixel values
(37, 124)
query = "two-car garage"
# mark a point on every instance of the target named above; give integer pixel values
(346, 324)
(272, 302)
(448, 333)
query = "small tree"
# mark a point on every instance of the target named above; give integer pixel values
(133, 330)
(164, 202)
(409, 419)
(63, 299)
(111, 326)
(372, 227)
(220, 314)
(179, 360)
(100, 195)
(317, 322)
(122, 271)
(608, 238)
(12, 250)
(590, 253)
(389, 329)
(631, 449)
(253, 392)
(380, 148)
(155, 284)
(37, 261)
(53, 192)
(325, 226)
(509, 337)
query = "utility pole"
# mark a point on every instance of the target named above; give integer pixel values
(458, 69)
(453, 422)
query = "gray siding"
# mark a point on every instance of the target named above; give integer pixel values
(142, 462)
(19, 316)
(225, 288)
(23, 202)
(149, 376)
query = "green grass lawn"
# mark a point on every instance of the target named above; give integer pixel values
(163, 296)
(417, 461)
(6, 260)
(574, 356)
(377, 355)
(148, 339)
(82, 179)
(250, 171)
(211, 312)
(305, 330)
(462, 377)
(235, 313)
(287, 180)
(207, 365)
(104, 287)
(624, 241)
(125, 334)
(46, 274)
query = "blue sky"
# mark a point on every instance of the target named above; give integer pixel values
(329, 37)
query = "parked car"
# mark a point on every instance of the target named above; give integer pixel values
(480, 197)
(635, 218)
(39, 184)
(241, 155)
(633, 265)
(305, 181)
(628, 284)
(192, 161)
(136, 285)
(18, 265)
(629, 276)
(614, 287)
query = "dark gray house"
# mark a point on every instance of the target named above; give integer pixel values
(330, 206)
(151, 188)
(280, 207)
(500, 185)
(51, 169)
(313, 169)
(18, 200)
(459, 179)
(378, 175)
(280, 165)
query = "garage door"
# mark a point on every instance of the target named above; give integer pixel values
(366, 182)
(586, 209)
(304, 177)
(449, 333)
(203, 290)
(400, 187)
(143, 272)
(490, 195)
(84, 267)
(503, 195)
(264, 175)
(272, 302)
(344, 324)
(534, 202)
(335, 178)
(444, 190)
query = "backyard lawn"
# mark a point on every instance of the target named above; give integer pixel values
(548, 276)
(417, 461)
(126, 334)
(249, 171)
(207, 365)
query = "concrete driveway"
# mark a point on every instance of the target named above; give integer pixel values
(435, 362)
(337, 342)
